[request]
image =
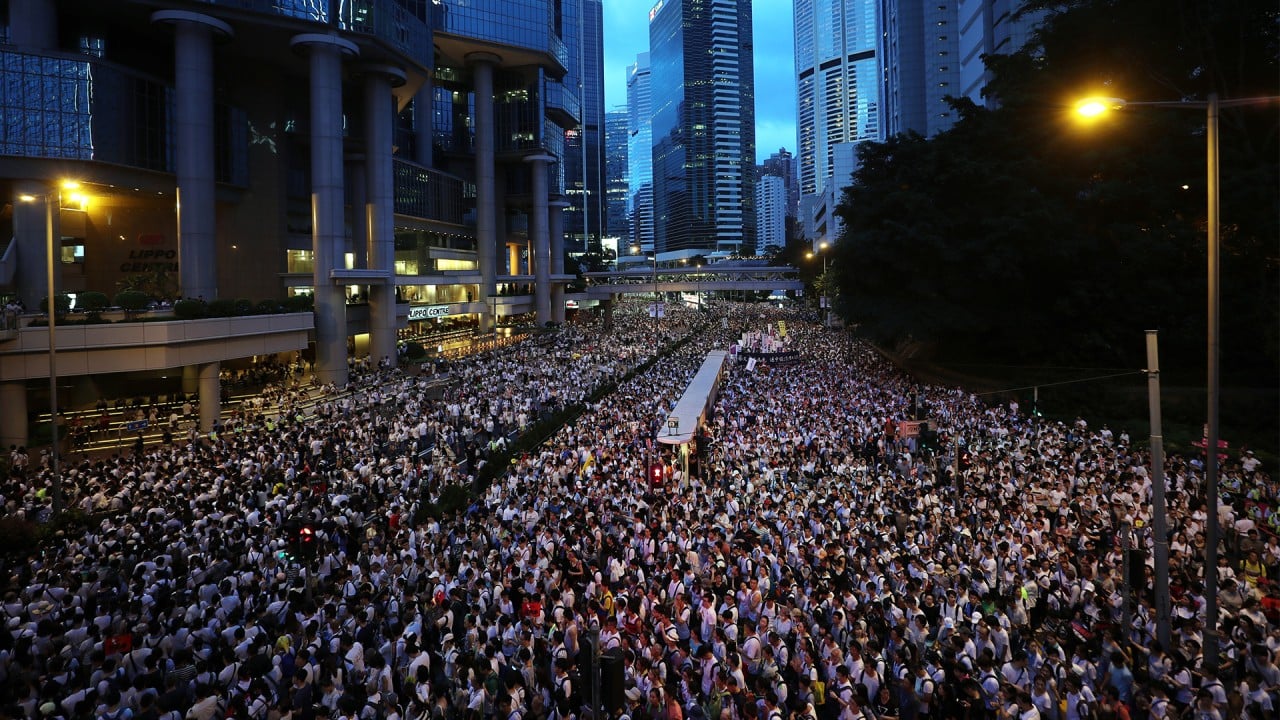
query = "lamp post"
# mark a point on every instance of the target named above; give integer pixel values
(825, 301)
(52, 198)
(1097, 106)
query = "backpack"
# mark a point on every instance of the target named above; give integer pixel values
(989, 699)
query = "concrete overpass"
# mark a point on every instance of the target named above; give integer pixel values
(710, 278)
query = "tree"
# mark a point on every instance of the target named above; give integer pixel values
(1018, 236)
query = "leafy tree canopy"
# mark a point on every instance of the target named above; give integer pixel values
(1021, 235)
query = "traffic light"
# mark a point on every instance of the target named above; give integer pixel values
(655, 474)
(306, 541)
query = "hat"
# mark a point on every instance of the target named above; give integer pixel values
(948, 622)
(977, 617)
(633, 695)
(48, 708)
(448, 638)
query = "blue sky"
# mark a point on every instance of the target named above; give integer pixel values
(626, 33)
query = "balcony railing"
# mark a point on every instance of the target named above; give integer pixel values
(428, 194)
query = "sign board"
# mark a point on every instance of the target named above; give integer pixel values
(909, 428)
(427, 312)
(782, 328)
(136, 425)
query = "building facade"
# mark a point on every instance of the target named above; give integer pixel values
(988, 27)
(640, 153)
(703, 124)
(920, 66)
(584, 166)
(615, 184)
(771, 213)
(837, 91)
(400, 162)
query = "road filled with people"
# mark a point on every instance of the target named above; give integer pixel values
(818, 558)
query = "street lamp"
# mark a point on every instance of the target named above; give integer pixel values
(825, 300)
(50, 199)
(1095, 107)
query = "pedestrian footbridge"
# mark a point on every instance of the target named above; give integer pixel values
(711, 278)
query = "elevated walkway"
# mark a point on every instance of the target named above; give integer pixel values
(711, 278)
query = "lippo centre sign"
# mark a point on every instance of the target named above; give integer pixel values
(428, 312)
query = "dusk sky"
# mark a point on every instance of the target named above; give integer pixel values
(626, 33)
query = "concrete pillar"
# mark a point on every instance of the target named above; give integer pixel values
(193, 148)
(556, 228)
(608, 313)
(540, 237)
(423, 127)
(33, 24)
(482, 65)
(190, 379)
(13, 414)
(210, 395)
(359, 244)
(30, 231)
(328, 233)
(513, 258)
(379, 116)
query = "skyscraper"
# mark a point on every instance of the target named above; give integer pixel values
(703, 86)
(783, 164)
(640, 153)
(771, 213)
(584, 145)
(920, 65)
(615, 184)
(837, 93)
(988, 27)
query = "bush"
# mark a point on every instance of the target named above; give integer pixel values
(188, 309)
(92, 302)
(243, 307)
(132, 301)
(267, 307)
(64, 304)
(299, 303)
(222, 307)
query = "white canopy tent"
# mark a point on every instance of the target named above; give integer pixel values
(696, 402)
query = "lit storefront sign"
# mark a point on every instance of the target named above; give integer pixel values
(427, 312)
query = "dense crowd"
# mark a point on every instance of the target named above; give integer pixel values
(817, 562)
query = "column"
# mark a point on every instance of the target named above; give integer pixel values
(190, 379)
(540, 237)
(193, 148)
(608, 313)
(328, 234)
(556, 223)
(513, 258)
(423, 130)
(482, 65)
(379, 116)
(210, 395)
(13, 414)
(30, 232)
(33, 24)
(359, 243)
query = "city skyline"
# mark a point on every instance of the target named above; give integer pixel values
(626, 35)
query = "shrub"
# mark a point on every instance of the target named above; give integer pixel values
(132, 301)
(243, 307)
(92, 302)
(222, 307)
(188, 309)
(64, 304)
(267, 307)
(299, 303)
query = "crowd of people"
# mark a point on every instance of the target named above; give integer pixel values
(815, 563)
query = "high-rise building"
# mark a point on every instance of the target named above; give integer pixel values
(703, 127)
(920, 65)
(837, 92)
(399, 162)
(640, 153)
(584, 145)
(771, 213)
(988, 27)
(615, 170)
(783, 164)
